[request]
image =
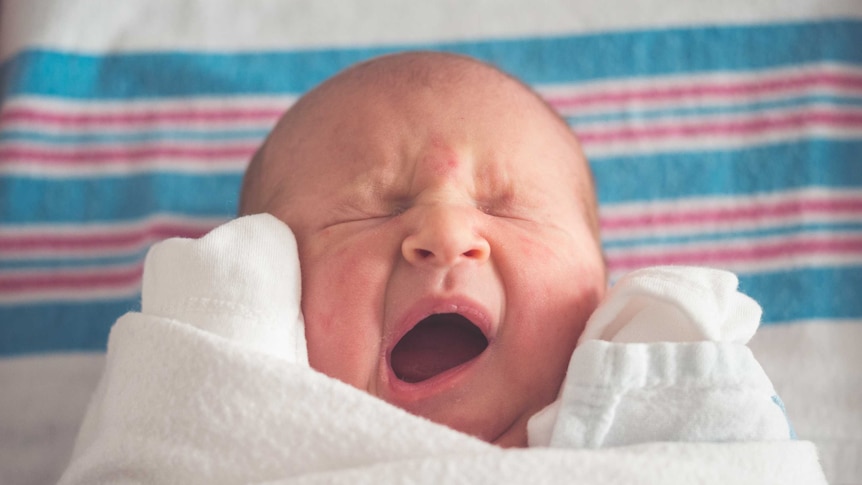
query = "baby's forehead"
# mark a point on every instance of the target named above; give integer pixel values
(397, 81)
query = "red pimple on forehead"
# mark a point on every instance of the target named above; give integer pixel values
(445, 166)
(441, 160)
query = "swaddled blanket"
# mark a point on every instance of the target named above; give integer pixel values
(210, 383)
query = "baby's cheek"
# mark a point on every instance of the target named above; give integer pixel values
(340, 304)
(561, 293)
(532, 249)
(337, 348)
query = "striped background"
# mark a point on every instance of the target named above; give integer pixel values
(726, 133)
(738, 147)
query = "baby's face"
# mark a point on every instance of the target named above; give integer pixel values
(448, 266)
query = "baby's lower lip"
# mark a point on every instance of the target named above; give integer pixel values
(406, 388)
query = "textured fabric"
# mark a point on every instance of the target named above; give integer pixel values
(202, 386)
(664, 358)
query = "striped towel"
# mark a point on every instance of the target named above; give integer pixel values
(726, 134)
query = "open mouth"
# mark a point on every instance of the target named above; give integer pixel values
(436, 344)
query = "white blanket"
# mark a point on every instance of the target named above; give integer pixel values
(206, 386)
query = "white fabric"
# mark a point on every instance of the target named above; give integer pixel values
(254, 299)
(641, 383)
(675, 304)
(135, 25)
(622, 394)
(816, 367)
(179, 403)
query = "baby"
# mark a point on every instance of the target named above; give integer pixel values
(448, 241)
(440, 221)
(448, 238)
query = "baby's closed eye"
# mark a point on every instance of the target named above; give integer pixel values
(363, 212)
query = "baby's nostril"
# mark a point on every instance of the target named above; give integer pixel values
(473, 253)
(424, 253)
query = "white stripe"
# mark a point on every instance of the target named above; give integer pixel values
(623, 260)
(104, 228)
(82, 230)
(694, 205)
(712, 132)
(82, 295)
(221, 166)
(83, 292)
(719, 131)
(808, 261)
(816, 368)
(161, 110)
(597, 151)
(41, 407)
(725, 80)
(604, 88)
(225, 25)
(132, 105)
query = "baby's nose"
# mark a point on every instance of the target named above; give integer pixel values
(445, 236)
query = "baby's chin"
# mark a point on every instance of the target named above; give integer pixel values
(501, 431)
(466, 403)
(514, 437)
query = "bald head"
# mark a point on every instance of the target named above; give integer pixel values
(392, 76)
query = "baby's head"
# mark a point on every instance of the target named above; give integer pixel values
(447, 232)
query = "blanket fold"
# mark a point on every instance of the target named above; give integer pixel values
(207, 400)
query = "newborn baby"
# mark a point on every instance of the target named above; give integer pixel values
(440, 221)
(447, 233)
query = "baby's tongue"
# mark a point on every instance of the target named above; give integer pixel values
(438, 343)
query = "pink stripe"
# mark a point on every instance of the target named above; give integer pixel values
(17, 154)
(111, 241)
(178, 115)
(755, 211)
(70, 281)
(749, 254)
(753, 126)
(269, 115)
(711, 88)
(750, 126)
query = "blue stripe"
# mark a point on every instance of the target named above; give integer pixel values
(58, 327)
(577, 121)
(719, 234)
(63, 263)
(632, 113)
(827, 293)
(25, 200)
(144, 136)
(806, 293)
(791, 433)
(545, 60)
(762, 169)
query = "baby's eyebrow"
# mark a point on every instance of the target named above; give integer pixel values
(497, 197)
(494, 186)
(371, 194)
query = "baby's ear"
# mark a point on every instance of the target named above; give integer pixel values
(241, 282)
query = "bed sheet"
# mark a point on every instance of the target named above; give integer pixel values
(726, 134)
